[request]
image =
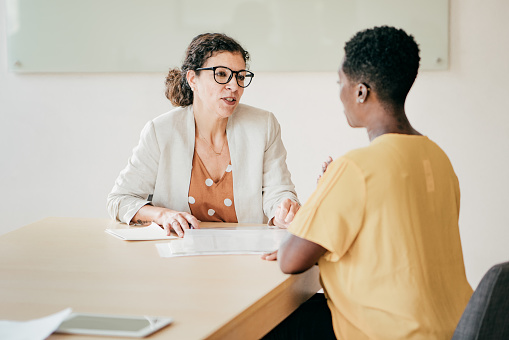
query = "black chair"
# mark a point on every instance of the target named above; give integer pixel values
(487, 313)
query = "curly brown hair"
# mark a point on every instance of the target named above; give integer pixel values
(200, 49)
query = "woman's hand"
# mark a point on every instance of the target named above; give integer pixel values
(168, 219)
(270, 256)
(285, 213)
(178, 221)
(324, 167)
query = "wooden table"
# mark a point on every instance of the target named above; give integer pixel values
(71, 262)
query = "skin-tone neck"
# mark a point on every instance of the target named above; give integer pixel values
(210, 127)
(383, 118)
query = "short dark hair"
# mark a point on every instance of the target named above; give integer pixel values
(385, 58)
(201, 48)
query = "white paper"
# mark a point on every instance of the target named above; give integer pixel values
(32, 329)
(223, 242)
(152, 232)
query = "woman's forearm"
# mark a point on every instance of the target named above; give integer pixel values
(148, 214)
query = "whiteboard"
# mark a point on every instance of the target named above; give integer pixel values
(152, 35)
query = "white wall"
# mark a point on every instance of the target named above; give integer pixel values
(65, 137)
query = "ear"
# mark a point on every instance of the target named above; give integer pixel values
(191, 78)
(362, 93)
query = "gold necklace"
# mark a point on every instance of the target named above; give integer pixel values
(210, 146)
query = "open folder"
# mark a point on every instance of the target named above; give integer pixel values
(152, 232)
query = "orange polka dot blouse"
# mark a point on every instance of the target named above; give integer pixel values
(211, 201)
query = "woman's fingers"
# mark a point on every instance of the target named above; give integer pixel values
(270, 257)
(181, 225)
(179, 222)
(175, 225)
(284, 208)
(325, 165)
(285, 213)
(167, 228)
(193, 221)
(294, 207)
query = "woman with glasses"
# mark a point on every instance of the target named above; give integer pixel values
(211, 158)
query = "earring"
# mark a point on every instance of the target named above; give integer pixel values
(359, 100)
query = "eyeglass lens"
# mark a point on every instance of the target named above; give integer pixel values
(223, 75)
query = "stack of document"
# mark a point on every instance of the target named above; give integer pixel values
(152, 232)
(220, 242)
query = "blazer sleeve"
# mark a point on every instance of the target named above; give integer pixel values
(277, 183)
(136, 182)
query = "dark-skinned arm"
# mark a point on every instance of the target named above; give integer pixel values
(296, 255)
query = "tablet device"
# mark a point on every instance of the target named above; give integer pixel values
(113, 325)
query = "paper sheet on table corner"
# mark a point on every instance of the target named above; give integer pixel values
(223, 242)
(152, 232)
(36, 329)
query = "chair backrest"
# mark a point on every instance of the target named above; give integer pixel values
(487, 313)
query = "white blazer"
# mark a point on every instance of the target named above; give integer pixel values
(159, 170)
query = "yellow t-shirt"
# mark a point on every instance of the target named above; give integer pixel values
(388, 216)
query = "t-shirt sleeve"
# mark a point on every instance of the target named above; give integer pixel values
(333, 215)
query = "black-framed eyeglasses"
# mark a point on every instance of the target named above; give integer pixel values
(223, 75)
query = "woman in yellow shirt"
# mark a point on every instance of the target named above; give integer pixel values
(383, 222)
